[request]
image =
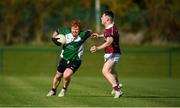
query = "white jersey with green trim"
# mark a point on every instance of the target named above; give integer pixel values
(73, 48)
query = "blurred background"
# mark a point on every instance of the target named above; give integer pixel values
(149, 68)
(150, 34)
(154, 22)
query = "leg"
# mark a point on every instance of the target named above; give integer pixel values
(112, 78)
(67, 77)
(72, 67)
(107, 72)
(115, 74)
(56, 81)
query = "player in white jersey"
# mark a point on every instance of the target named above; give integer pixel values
(71, 54)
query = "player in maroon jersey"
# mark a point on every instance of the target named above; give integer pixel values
(112, 51)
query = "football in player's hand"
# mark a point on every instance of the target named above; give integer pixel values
(61, 38)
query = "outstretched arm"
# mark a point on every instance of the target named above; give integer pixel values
(89, 32)
(96, 35)
(108, 42)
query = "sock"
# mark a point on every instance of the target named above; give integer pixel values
(53, 89)
(64, 88)
(116, 87)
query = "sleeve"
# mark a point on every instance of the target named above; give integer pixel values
(108, 34)
(56, 42)
(86, 34)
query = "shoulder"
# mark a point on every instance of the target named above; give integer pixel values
(63, 31)
(84, 33)
(115, 28)
(111, 31)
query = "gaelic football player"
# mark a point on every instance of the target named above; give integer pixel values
(112, 51)
(71, 55)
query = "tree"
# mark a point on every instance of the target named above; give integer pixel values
(162, 19)
(41, 9)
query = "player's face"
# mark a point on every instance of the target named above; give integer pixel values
(75, 31)
(104, 19)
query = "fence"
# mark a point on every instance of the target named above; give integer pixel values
(32, 61)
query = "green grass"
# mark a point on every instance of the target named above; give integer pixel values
(134, 62)
(89, 92)
(26, 77)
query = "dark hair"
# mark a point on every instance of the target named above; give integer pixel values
(109, 13)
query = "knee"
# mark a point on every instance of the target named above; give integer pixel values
(58, 76)
(104, 71)
(67, 74)
(66, 77)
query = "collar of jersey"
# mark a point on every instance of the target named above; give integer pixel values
(109, 26)
(70, 38)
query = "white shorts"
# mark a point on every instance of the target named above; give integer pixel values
(113, 56)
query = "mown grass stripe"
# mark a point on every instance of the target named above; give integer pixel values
(88, 92)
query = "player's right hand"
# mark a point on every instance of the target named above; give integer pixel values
(93, 49)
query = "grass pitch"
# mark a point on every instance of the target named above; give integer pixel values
(26, 77)
(88, 92)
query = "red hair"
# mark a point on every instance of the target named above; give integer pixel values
(75, 23)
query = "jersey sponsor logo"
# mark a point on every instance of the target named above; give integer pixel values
(70, 47)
